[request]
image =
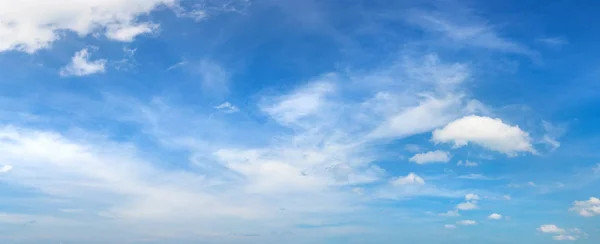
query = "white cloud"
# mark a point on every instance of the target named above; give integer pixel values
(466, 163)
(214, 78)
(410, 179)
(450, 226)
(551, 229)
(554, 41)
(301, 103)
(81, 65)
(431, 157)
(5, 168)
(472, 197)
(561, 234)
(227, 107)
(531, 183)
(564, 238)
(28, 29)
(507, 197)
(463, 29)
(587, 208)
(451, 213)
(466, 206)
(489, 133)
(466, 222)
(474, 177)
(495, 216)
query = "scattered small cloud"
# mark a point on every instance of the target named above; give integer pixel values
(472, 197)
(451, 213)
(507, 197)
(466, 163)
(474, 177)
(431, 157)
(410, 179)
(81, 65)
(560, 233)
(495, 216)
(450, 226)
(227, 107)
(588, 208)
(5, 168)
(466, 222)
(465, 206)
(492, 134)
(553, 41)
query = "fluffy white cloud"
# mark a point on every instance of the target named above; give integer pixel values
(431, 157)
(5, 168)
(227, 107)
(495, 216)
(551, 229)
(26, 28)
(466, 163)
(81, 65)
(466, 206)
(301, 103)
(410, 179)
(587, 208)
(466, 222)
(489, 133)
(472, 197)
(450, 226)
(561, 234)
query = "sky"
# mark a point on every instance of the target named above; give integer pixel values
(299, 121)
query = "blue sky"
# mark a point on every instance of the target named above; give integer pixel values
(240, 121)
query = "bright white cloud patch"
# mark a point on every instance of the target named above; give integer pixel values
(466, 206)
(81, 65)
(495, 216)
(30, 25)
(466, 222)
(410, 179)
(561, 234)
(587, 208)
(301, 103)
(489, 133)
(227, 107)
(5, 168)
(471, 197)
(551, 229)
(431, 157)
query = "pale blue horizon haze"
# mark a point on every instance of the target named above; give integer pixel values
(300, 121)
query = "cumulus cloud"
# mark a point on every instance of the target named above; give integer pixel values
(551, 229)
(561, 234)
(81, 65)
(431, 157)
(227, 107)
(410, 179)
(28, 29)
(466, 163)
(471, 197)
(495, 216)
(466, 222)
(489, 133)
(5, 168)
(587, 208)
(466, 206)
